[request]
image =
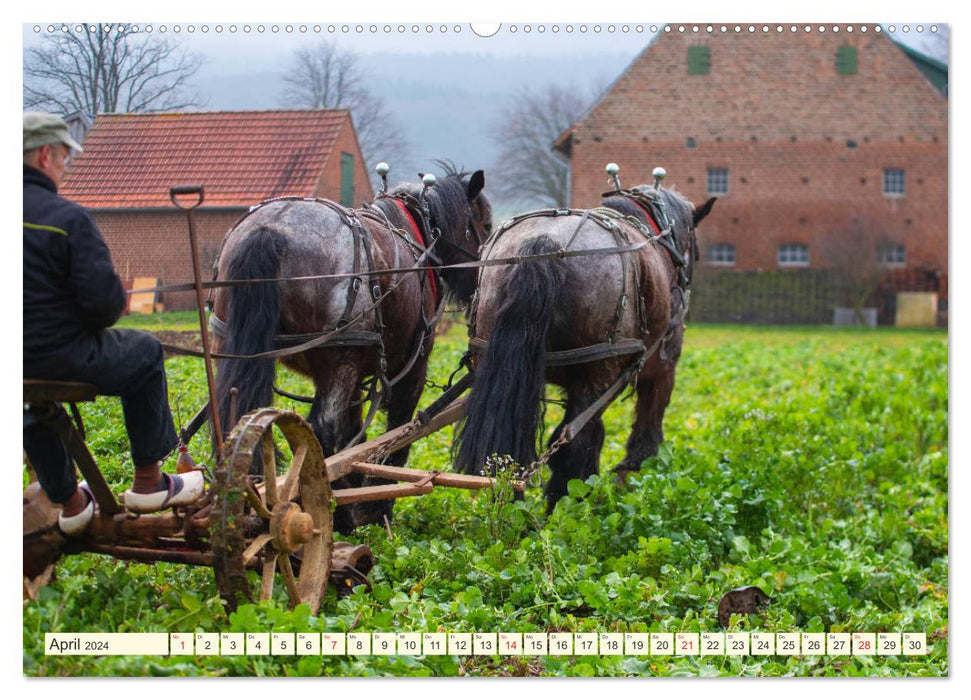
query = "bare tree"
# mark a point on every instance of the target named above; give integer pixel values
(325, 77)
(107, 68)
(862, 255)
(527, 171)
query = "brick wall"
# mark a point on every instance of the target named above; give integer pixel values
(805, 148)
(156, 244)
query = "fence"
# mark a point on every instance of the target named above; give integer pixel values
(799, 296)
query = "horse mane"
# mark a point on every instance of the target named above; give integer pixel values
(625, 206)
(679, 210)
(448, 201)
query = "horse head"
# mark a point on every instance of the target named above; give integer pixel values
(460, 211)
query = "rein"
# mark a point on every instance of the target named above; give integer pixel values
(511, 260)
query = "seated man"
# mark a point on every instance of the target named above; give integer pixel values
(71, 295)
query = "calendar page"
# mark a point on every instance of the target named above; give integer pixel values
(598, 349)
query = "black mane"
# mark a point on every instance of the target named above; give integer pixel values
(448, 202)
(678, 208)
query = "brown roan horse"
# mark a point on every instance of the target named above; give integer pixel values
(386, 321)
(596, 304)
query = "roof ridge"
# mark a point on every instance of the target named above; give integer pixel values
(300, 110)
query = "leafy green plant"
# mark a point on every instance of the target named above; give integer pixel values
(811, 462)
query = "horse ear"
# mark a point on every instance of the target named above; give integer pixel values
(703, 211)
(476, 183)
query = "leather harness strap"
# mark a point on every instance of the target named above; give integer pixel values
(416, 232)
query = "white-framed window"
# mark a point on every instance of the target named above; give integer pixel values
(717, 180)
(793, 255)
(893, 182)
(891, 255)
(721, 254)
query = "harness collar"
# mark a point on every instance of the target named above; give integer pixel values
(648, 213)
(679, 258)
(416, 232)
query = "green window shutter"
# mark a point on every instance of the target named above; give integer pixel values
(846, 60)
(699, 60)
(347, 179)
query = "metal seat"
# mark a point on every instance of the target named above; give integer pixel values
(41, 390)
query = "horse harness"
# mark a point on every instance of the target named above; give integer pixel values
(610, 220)
(652, 205)
(357, 222)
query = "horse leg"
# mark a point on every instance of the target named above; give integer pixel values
(653, 395)
(335, 422)
(404, 399)
(580, 457)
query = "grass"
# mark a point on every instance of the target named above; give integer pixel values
(811, 462)
(168, 321)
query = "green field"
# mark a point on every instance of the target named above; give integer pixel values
(812, 462)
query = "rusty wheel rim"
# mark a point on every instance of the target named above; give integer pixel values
(258, 526)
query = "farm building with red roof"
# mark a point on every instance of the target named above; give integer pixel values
(130, 161)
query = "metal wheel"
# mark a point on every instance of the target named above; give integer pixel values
(277, 524)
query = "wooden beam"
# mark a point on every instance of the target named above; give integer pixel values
(366, 494)
(340, 464)
(460, 481)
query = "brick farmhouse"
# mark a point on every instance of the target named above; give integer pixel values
(241, 158)
(822, 147)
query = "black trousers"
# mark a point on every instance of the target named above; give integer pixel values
(119, 362)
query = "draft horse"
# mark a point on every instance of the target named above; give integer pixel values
(594, 314)
(382, 326)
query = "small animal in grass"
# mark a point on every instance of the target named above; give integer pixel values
(747, 600)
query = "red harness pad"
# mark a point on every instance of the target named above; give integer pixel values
(416, 232)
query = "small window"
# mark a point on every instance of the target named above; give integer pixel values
(893, 181)
(891, 255)
(846, 60)
(699, 60)
(721, 254)
(717, 180)
(793, 255)
(347, 179)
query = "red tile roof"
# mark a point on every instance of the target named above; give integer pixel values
(131, 160)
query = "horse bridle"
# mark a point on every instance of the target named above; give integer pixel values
(470, 233)
(435, 233)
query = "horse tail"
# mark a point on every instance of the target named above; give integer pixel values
(252, 320)
(503, 409)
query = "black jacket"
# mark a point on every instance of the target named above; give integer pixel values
(71, 290)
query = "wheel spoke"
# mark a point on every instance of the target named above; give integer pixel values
(253, 496)
(293, 476)
(287, 571)
(254, 548)
(269, 468)
(269, 569)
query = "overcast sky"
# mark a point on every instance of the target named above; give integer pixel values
(444, 82)
(226, 44)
